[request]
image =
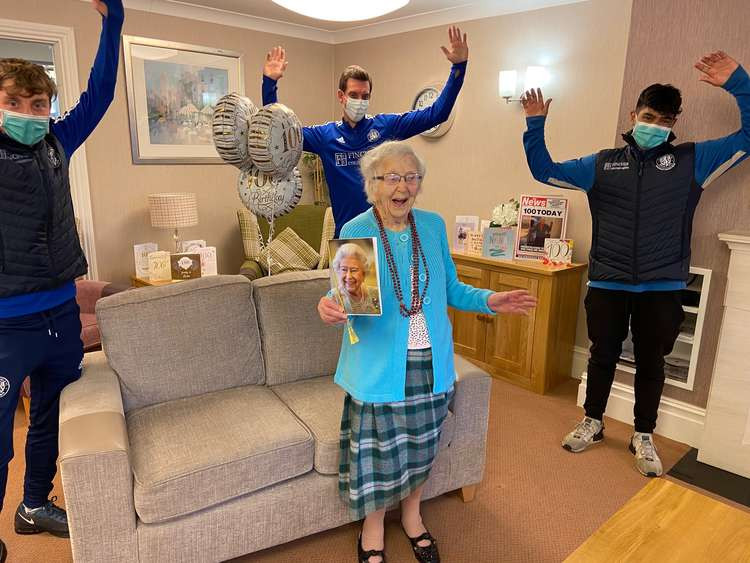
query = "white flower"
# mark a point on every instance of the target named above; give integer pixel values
(506, 214)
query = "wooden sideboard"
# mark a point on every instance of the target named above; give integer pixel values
(533, 351)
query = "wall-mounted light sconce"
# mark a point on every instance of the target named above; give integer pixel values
(506, 83)
(535, 77)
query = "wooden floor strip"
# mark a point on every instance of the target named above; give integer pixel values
(667, 522)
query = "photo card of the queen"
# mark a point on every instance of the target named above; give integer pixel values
(355, 279)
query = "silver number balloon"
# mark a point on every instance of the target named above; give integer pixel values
(231, 119)
(275, 140)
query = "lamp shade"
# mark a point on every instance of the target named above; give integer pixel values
(507, 83)
(173, 210)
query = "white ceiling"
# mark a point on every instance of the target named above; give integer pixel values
(264, 15)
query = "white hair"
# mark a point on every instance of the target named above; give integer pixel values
(348, 250)
(373, 158)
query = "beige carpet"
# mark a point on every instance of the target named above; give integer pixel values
(537, 502)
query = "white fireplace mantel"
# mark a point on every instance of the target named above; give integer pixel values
(726, 436)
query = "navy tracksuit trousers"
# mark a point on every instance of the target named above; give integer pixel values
(46, 347)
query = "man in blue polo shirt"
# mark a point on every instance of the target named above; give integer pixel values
(40, 258)
(340, 144)
(642, 199)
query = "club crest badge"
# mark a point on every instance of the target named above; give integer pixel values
(53, 157)
(373, 135)
(666, 162)
(4, 386)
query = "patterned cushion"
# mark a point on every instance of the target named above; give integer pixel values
(249, 232)
(288, 252)
(329, 228)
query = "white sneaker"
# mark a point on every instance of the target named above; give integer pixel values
(646, 459)
(586, 433)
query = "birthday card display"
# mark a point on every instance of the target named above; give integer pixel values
(540, 218)
(464, 225)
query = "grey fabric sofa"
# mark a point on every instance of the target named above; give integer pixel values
(210, 428)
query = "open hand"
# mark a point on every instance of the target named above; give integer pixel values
(716, 68)
(518, 302)
(275, 64)
(459, 51)
(331, 312)
(533, 103)
(100, 6)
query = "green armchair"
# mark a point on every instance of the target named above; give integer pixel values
(313, 223)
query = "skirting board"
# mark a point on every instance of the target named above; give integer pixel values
(677, 420)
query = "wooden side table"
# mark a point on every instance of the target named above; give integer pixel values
(140, 282)
(534, 351)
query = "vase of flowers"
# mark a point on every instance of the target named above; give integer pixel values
(500, 237)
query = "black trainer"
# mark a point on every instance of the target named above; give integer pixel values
(49, 518)
(3, 552)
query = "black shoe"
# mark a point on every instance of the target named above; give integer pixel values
(425, 554)
(48, 518)
(364, 556)
(3, 552)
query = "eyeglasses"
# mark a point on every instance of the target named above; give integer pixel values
(392, 179)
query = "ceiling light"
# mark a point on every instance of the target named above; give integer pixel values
(336, 10)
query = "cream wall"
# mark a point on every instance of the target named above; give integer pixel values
(481, 161)
(119, 188)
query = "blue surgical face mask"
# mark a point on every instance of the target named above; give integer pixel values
(649, 136)
(26, 129)
(356, 109)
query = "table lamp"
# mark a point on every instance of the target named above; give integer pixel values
(172, 211)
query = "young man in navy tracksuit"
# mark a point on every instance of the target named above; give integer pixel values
(40, 258)
(642, 199)
(341, 144)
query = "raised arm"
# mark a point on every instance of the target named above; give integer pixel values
(77, 123)
(273, 69)
(405, 125)
(575, 174)
(713, 158)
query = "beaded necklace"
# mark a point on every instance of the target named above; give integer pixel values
(416, 246)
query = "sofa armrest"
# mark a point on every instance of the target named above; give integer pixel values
(95, 467)
(471, 408)
(251, 270)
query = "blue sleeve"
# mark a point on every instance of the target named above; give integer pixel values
(461, 296)
(713, 158)
(311, 139)
(270, 90)
(576, 174)
(404, 125)
(74, 127)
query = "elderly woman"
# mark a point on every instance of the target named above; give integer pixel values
(350, 266)
(399, 375)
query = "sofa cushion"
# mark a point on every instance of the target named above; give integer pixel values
(288, 253)
(318, 403)
(296, 343)
(182, 339)
(197, 452)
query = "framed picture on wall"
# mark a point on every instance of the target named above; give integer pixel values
(172, 90)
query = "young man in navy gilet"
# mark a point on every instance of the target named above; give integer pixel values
(40, 258)
(642, 199)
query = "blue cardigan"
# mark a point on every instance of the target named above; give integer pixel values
(374, 369)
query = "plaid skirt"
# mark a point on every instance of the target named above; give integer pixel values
(387, 449)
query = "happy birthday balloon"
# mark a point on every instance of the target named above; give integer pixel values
(268, 196)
